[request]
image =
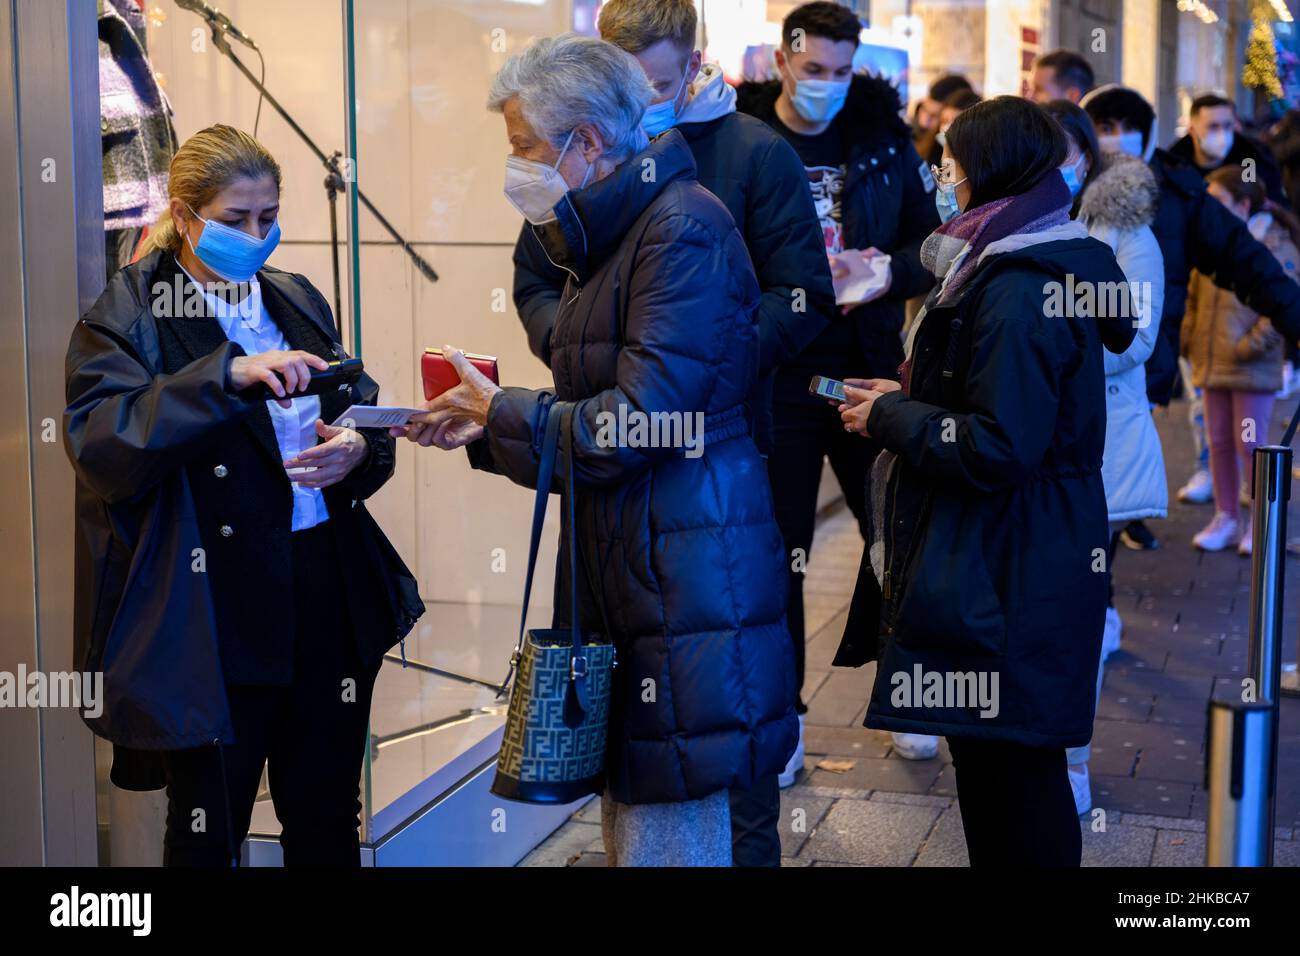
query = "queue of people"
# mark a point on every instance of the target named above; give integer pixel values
(686, 248)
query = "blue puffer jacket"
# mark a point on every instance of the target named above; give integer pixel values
(680, 554)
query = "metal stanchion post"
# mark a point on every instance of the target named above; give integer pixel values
(1271, 491)
(1289, 684)
(1240, 778)
(1241, 742)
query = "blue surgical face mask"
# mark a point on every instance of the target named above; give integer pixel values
(945, 200)
(818, 101)
(232, 253)
(1073, 181)
(1129, 142)
(660, 117)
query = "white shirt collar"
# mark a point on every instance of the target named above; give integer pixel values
(248, 311)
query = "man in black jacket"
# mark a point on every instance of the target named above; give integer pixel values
(1214, 139)
(760, 180)
(1194, 232)
(875, 198)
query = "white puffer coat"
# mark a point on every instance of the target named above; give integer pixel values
(1118, 208)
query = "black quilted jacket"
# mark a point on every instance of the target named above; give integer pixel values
(680, 554)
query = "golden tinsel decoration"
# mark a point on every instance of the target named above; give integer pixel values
(1260, 70)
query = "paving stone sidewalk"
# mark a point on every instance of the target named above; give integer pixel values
(1185, 620)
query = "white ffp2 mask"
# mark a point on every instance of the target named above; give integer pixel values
(534, 188)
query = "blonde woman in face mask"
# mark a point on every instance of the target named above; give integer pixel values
(229, 578)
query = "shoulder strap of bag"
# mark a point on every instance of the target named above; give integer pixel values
(578, 660)
(545, 473)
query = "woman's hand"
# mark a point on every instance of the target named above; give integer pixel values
(859, 385)
(859, 396)
(457, 416)
(295, 367)
(331, 460)
(838, 269)
(442, 429)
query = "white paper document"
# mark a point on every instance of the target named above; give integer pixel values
(865, 277)
(376, 416)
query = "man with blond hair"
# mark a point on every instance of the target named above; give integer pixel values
(761, 181)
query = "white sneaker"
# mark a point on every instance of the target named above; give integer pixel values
(1289, 380)
(1220, 533)
(1111, 635)
(792, 768)
(1081, 788)
(916, 746)
(1199, 488)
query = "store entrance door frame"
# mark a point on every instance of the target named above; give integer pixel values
(51, 271)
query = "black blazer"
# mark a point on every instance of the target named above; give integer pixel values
(244, 503)
(167, 454)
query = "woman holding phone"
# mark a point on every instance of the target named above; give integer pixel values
(986, 566)
(230, 585)
(679, 555)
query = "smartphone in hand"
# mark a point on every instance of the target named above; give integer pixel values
(829, 388)
(339, 376)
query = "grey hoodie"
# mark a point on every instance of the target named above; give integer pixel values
(711, 97)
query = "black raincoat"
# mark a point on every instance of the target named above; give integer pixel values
(995, 524)
(165, 452)
(681, 553)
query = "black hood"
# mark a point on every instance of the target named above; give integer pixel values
(871, 112)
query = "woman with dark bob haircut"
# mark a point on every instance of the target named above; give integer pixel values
(981, 593)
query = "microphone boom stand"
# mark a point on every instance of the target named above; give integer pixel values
(335, 183)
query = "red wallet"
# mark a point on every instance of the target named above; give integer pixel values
(440, 375)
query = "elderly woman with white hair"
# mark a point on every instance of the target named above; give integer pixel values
(681, 562)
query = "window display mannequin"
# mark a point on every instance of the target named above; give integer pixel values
(136, 130)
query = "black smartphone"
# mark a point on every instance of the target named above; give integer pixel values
(338, 376)
(823, 387)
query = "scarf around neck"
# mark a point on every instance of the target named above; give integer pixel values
(952, 252)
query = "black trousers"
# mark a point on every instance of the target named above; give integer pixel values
(804, 434)
(310, 735)
(1016, 804)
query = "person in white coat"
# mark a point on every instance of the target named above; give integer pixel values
(1117, 197)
